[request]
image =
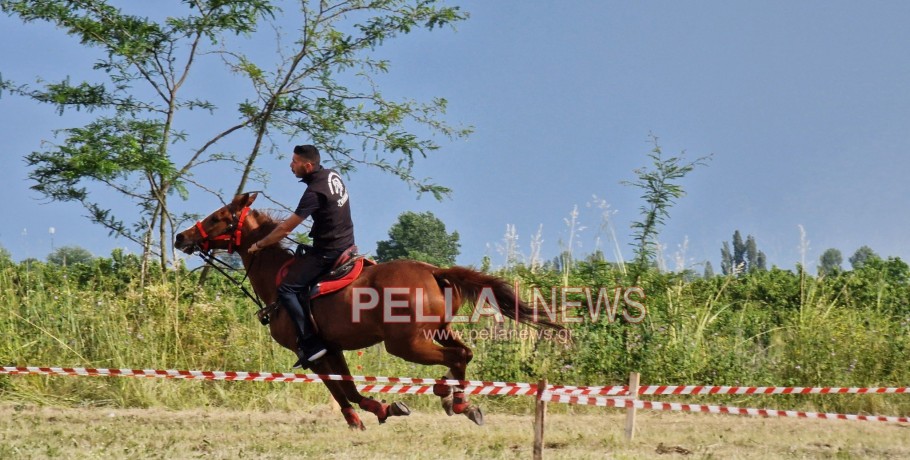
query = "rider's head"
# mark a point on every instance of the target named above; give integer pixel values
(305, 160)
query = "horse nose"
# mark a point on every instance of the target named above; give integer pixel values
(179, 238)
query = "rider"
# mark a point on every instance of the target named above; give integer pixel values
(326, 200)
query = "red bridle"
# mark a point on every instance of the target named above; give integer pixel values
(233, 240)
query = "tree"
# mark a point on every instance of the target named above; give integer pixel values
(829, 262)
(752, 254)
(127, 149)
(762, 261)
(745, 257)
(70, 255)
(739, 250)
(304, 95)
(862, 256)
(419, 236)
(139, 147)
(709, 271)
(726, 259)
(660, 192)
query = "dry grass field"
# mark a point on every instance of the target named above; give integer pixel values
(28, 431)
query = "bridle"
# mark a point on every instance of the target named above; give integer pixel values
(232, 239)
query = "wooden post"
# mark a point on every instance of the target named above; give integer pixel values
(540, 413)
(630, 411)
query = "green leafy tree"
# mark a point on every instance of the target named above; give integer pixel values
(726, 259)
(745, 256)
(660, 191)
(561, 263)
(739, 250)
(127, 149)
(752, 253)
(709, 270)
(5, 256)
(862, 256)
(69, 256)
(485, 263)
(304, 95)
(829, 262)
(881, 284)
(419, 236)
(138, 146)
(762, 261)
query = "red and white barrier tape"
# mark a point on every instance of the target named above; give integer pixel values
(489, 387)
(617, 390)
(654, 405)
(471, 390)
(724, 390)
(520, 388)
(555, 393)
(721, 390)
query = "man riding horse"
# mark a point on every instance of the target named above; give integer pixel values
(431, 294)
(326, 201)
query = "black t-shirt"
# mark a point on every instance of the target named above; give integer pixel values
(326, 200)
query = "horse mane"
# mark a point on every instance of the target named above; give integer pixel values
(267, 221)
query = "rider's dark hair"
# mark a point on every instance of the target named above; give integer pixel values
(308, 152)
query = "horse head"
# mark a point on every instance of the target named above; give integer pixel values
(220, 230)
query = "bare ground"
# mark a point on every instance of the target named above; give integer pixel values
(48, 432)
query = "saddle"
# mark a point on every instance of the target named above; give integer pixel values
(344, 271)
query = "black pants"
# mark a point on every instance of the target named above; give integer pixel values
(299, 279)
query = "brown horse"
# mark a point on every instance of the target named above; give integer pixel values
(346, 321)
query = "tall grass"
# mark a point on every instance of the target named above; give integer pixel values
(761, 328)
(84, 317)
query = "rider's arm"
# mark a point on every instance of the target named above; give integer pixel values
(309, 203)
(282, 230)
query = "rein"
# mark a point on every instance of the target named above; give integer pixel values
(233, 239)
(213, 261)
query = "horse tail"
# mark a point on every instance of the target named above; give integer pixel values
(469, 285)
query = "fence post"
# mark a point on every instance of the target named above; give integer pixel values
(630, 410)
(540, 413)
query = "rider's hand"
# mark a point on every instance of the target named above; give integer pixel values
(254, 248)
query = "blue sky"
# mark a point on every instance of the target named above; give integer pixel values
(805, 107)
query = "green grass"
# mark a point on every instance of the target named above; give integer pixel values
(774, 328)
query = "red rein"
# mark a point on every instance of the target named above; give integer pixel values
(233, 241)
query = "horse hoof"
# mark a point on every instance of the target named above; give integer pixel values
(379, 409)
(474, 414)
(399, 409)
(353, 419)
(448, 404)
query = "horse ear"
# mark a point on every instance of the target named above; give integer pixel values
(243, 200)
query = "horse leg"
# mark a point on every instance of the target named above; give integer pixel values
(445, 394)
(382, 410)
(283, 331)
(457, 402)
(327, 366)
(449, 338)
(453, 357)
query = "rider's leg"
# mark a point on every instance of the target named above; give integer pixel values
(300, 276)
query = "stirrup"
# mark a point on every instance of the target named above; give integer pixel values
(306, 358)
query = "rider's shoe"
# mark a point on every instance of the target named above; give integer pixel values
(310, 351)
